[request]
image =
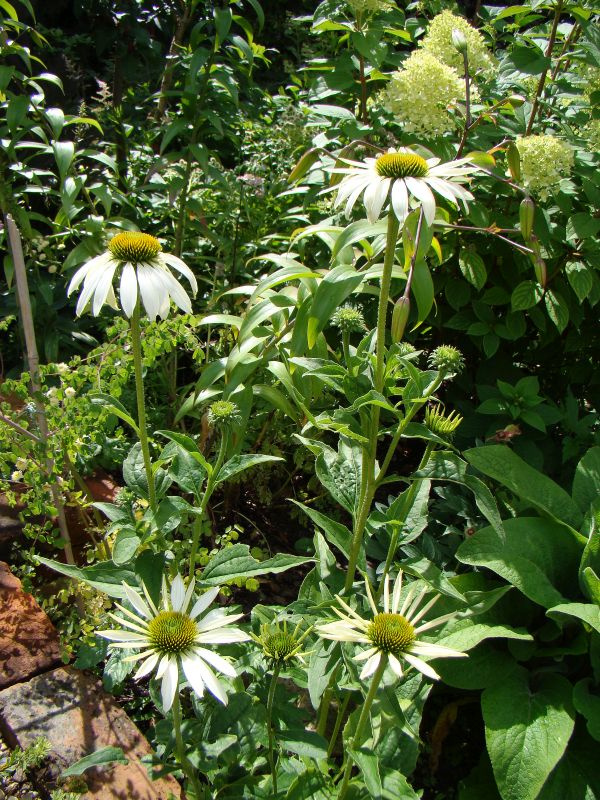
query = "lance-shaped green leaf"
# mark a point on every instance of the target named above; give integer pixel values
(335, 287)
(236, 562)
(241, 463)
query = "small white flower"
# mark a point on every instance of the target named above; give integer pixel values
(144, 274)
(400, 175)
(16, 476)
(70, 392)
(392, 633)
(21, 464)
(174, 636)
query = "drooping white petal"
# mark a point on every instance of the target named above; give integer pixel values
(443, 188)
(217, 619)
(375, 196)
(137, 601)
(203, 602)
(395, 665)
(103, 287)
(178, 293)
(172, 261)
(169, 684)
(162, 667)
(147, 666)
(422, 666)
(151, 289)
(434, 623)
(193, 675)
(410, 611)
(217, 661)
(352, 198)
(123, 636)
(371, 665)
(351, 611)
(128, 290)
(177, 593)
(365, 654)
(195, 668)
(400, 200)
(430, 650)
(408, 599)
(223, 636)
(423, 193)
(89, 287)
(90, 266)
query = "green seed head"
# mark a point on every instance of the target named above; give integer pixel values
(401, 165)
(172, 632)
(348, 319)
(223, 414)
(405, 349)
(447, 359)
(279, 645)
(391, 633)
(134, 248)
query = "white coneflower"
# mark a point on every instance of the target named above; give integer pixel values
(393, 633)
(172, 636)
(144, 274)
(400, 175)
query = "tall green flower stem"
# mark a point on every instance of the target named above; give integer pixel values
(270, 698)
(340, 716)
(360, 726)
(210, 487)
(136, 346)
(406, 508)
(184, 762)
(548, 54)
(367, 489)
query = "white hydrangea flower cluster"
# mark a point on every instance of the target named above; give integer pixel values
(420, 93)
(545, 160)
(438, 42)
(360, 7)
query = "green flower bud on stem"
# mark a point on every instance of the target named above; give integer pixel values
(513, 159)
(459, 40)
(526, 217)
(447, 359)
(223, 414)
(539, 265)
(400, 318)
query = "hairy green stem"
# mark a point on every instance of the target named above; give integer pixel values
(406, 507)
(136, 347)
(367, 491)
(270, 698)
(184, 762)
(542, 81)
(468, 120)
(210, 486)
(362, 721)
(341, 713)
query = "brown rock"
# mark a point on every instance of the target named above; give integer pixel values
(79, 717)
(28, 641)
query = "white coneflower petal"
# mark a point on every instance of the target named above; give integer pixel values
(217, 661)
(169, 684)
(180, 266)
(222, 637)
(102, 288)
(390, 634)
(211, 682)
(178, 593)
(203, 602)
(147, 666)
(128, 290)
(124, 636)
(400, 201)
(423, 193)
(137, 602)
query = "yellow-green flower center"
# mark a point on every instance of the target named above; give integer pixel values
(172, 632)
(401, 165)
(391, 633)
(279, 645)
(133, 247)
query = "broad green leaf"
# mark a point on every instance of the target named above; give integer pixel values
(275, 398)
(134, 472)
(125, 546)
(585, 612)
(538, 556)
(586, 483)
(113, 406)
(503, 465)
(382, 782)
(241, 463)
(311, 785)
(102, 757)
(527, 729)
(576, 776)
(64, 152)
(104, 576)
(189, 445)
(487, 665)
(335, 287)
(587, 703)
(422, 289)
(472, 267)
(580, 277)
(557, 309)
(340, 472)
(303, 742)
(336, 534)
(236, 562)
(355, 232)
(465, 634)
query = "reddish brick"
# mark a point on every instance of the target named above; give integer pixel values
(28, 641)
(78, 717)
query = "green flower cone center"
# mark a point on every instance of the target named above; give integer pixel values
(172, 632)
(133, 247)
(391, 633)
(279, 645)
(401, 165)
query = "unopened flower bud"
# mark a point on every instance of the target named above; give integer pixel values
(515, 100)
(447, 359)
(459, 40)
(526, 216)
(223, 414)
(278, 644)
(539, 265)
(443, 425)
(348, 319)
(513, 160)
(400, 318)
